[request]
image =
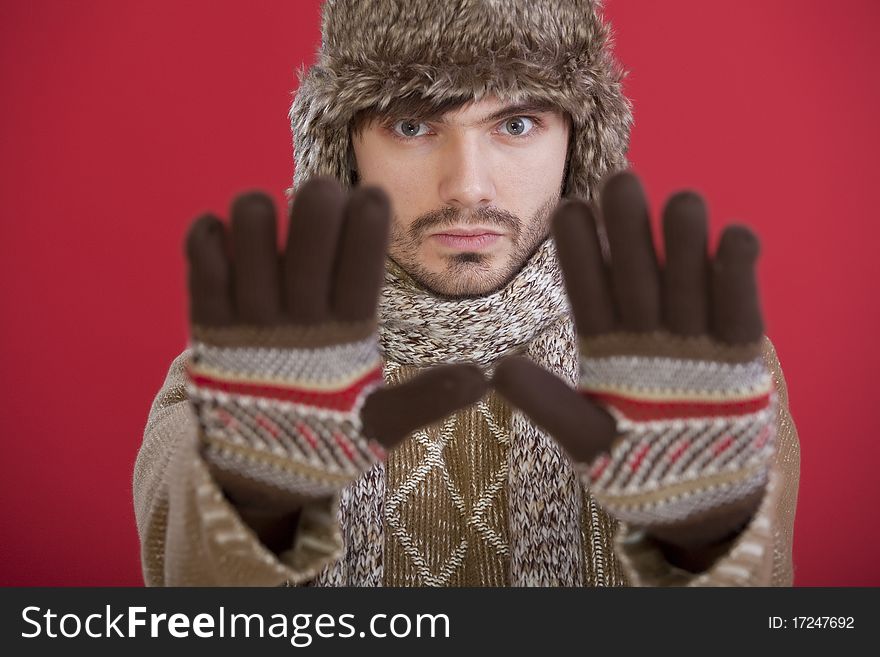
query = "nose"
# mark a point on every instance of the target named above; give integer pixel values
(466, 174)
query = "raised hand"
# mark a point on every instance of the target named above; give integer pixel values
(285, 372)
(673, 425)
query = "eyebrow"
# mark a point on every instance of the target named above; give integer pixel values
(529, 107)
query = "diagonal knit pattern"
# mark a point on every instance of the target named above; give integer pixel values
(484, 496)
(446, 500)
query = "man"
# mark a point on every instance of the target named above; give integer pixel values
(343, 419)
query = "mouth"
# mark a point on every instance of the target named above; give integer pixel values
(470, 239)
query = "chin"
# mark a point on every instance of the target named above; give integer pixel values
(478, 281)
(460, 275)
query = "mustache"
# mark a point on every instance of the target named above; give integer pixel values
(449, 216)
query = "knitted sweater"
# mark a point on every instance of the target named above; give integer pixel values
(444, 512)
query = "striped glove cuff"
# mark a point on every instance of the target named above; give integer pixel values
(696, 425)
(286, 416)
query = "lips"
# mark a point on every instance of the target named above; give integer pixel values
(470, 239)
(468, 232)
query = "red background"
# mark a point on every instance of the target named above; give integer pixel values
(121, 121)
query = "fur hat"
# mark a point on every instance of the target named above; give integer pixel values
(375, 51)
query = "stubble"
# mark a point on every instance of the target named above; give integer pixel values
(470, 274)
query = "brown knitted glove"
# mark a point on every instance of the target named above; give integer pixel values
(674, 426)
(285, 372)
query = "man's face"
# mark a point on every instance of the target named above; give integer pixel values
(472, 190)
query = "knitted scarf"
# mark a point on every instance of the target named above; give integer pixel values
(529, 315)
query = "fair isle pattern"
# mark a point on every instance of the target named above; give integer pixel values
(326, 367)
(695, 435)
(674, 376)
(761, 555)
(527, 524)
(286, 417)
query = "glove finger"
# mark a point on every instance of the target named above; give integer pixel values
(361, 256)
(635, 277)
(255, 259)
(582, 427)
(686, 276)
(309, 260)
(577, 244)
(736, 311)
(210, 299)
(391, 414)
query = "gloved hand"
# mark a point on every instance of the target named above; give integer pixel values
(673, 426)
(285, 372)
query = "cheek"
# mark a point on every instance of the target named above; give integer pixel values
(525, 181)
(404, 175)
(537, 166)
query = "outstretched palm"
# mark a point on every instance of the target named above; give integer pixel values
(285, 370)
(673, 425)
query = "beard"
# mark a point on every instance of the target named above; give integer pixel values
(471, 273)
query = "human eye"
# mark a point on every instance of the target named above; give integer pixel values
(519, 126)
(408, 128)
